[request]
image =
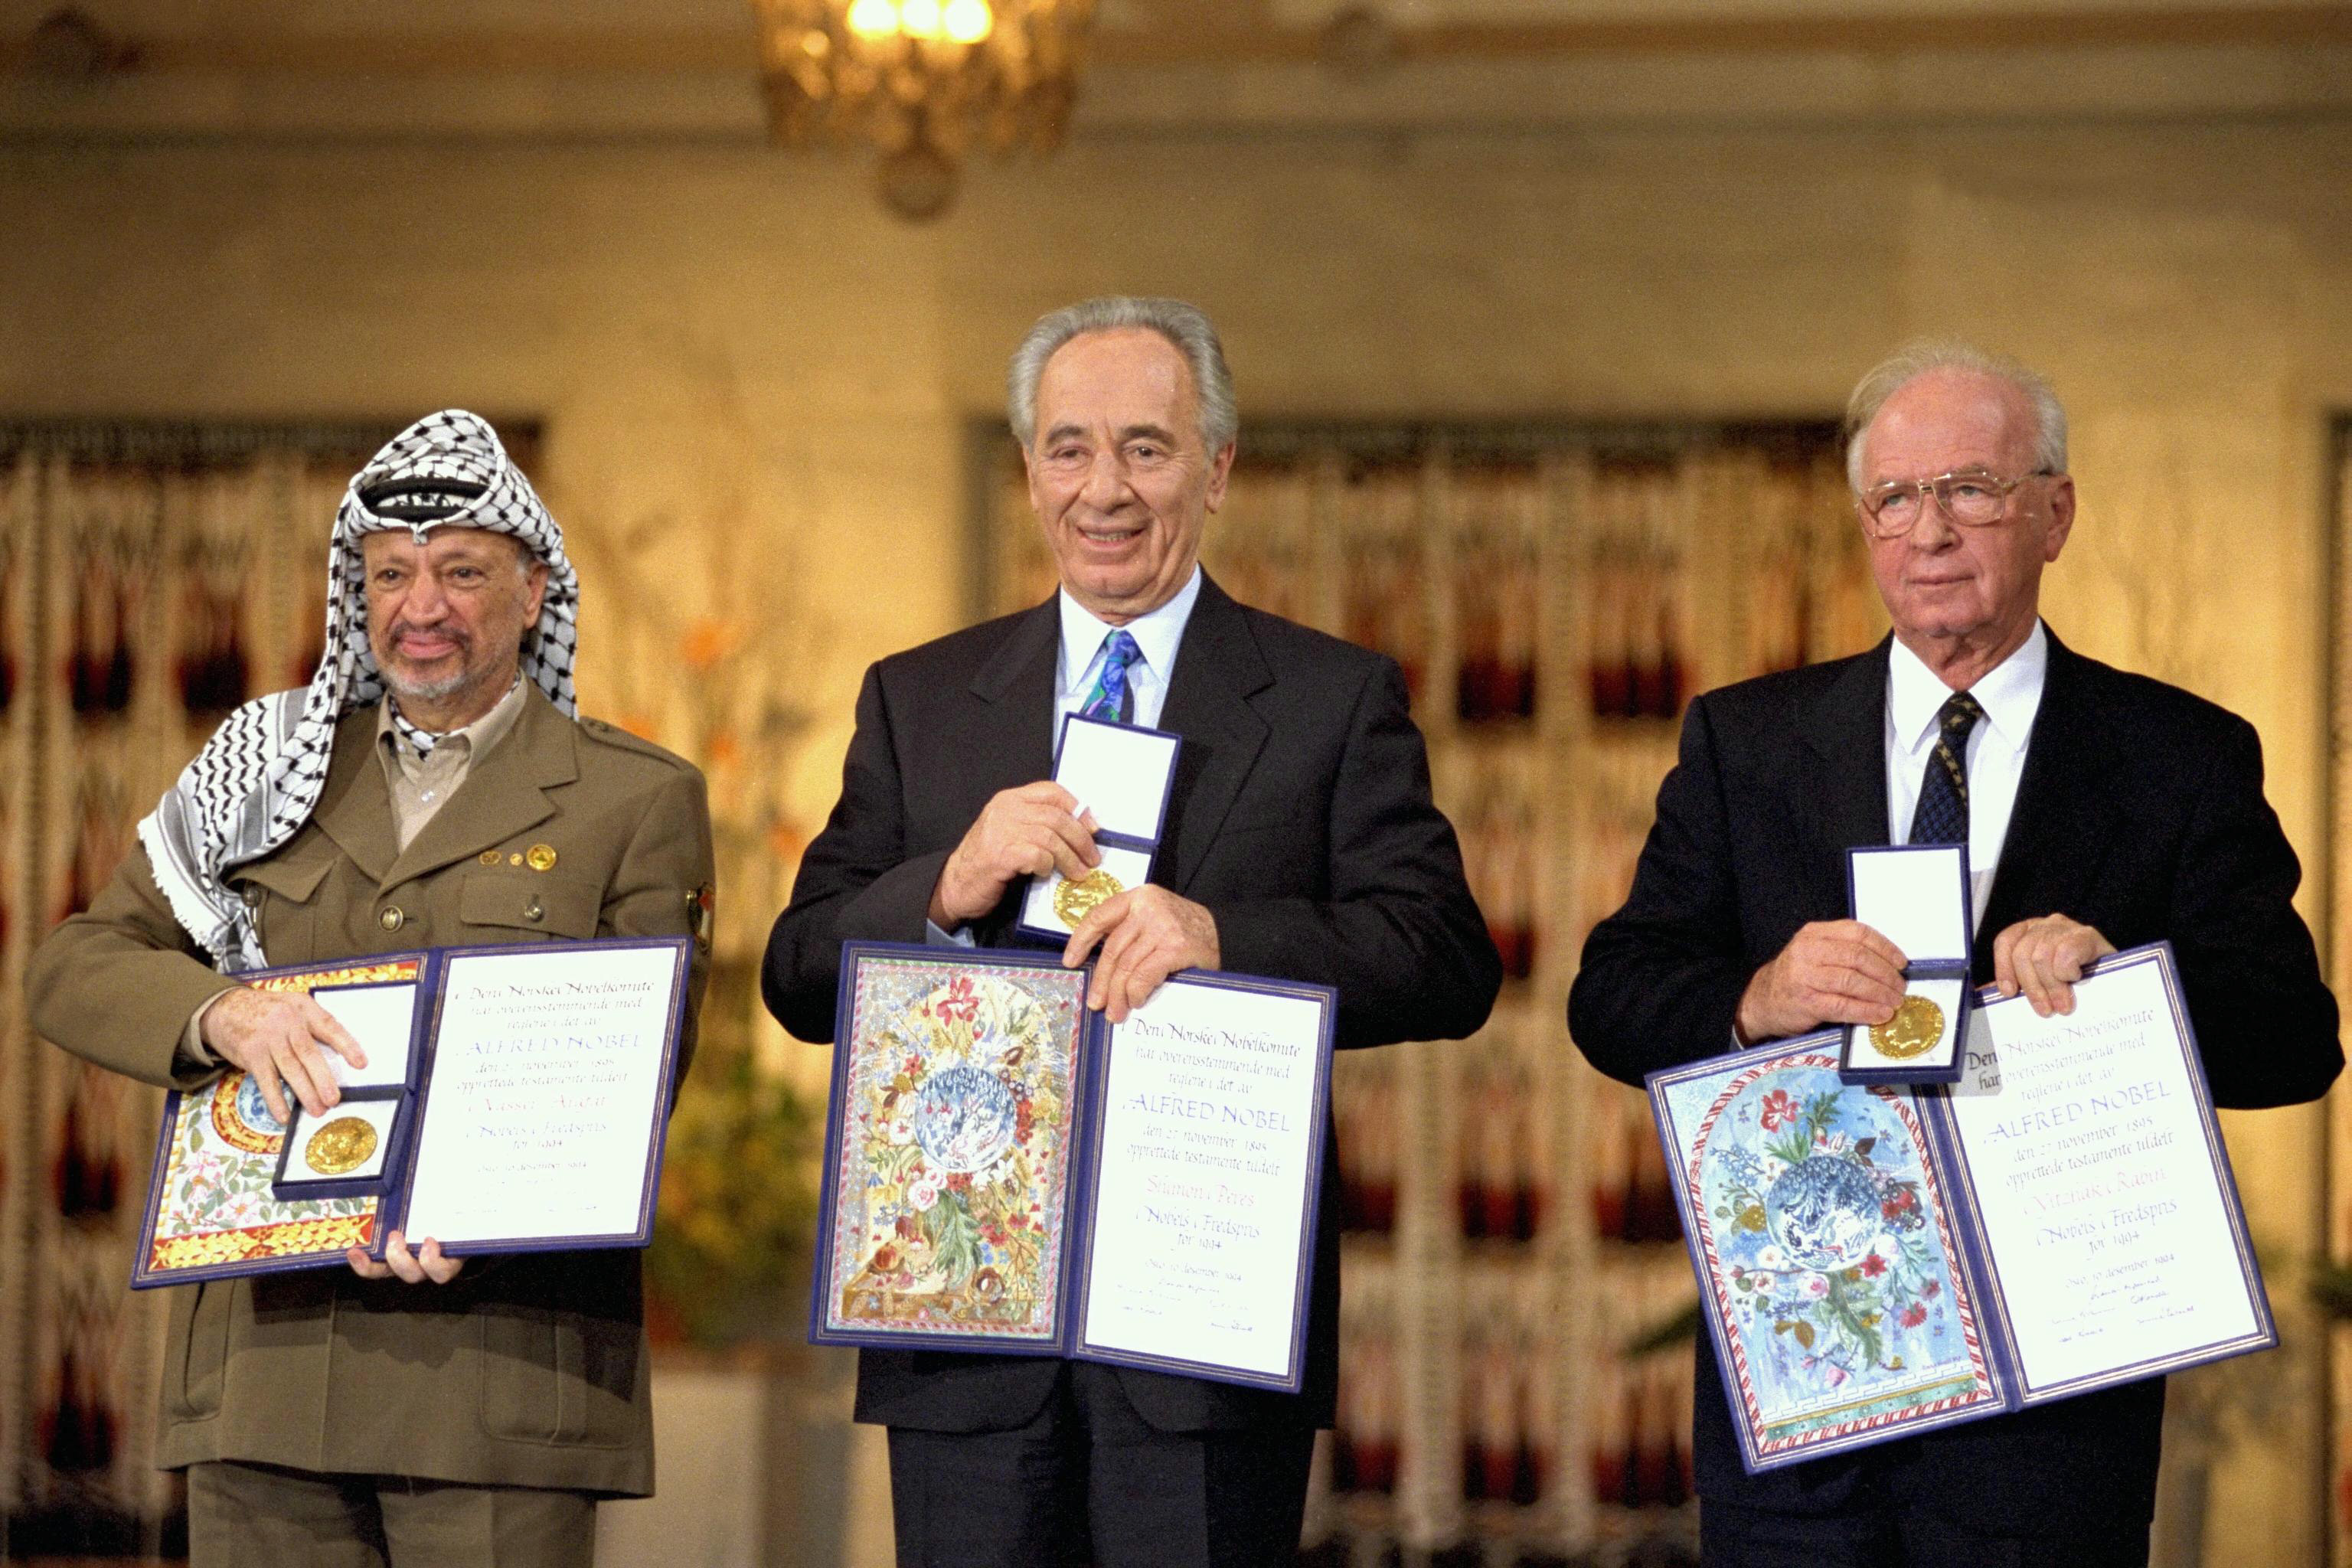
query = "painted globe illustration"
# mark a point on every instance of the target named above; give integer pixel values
(1823, 1211)
(964, 1119)
(254, 1112)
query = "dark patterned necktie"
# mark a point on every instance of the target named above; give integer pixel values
(1943, 813)
(1112, 698)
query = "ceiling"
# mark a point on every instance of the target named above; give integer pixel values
(566, 69)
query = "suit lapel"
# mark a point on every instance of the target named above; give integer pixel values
(503, 794)
(1218, 669)
(1845, 777)
(1017, 682)
(2058, 831)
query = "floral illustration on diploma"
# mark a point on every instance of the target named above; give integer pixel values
(214, 1204)
(1833, 1265)
(955, 1149)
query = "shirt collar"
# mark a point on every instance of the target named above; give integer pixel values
(392, 728)
(1156, 633)
(2010, 694)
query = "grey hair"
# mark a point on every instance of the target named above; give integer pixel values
(1914, 360)
(1185, 326)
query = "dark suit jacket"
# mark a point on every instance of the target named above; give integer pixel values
(1300, 816)
(2140, 813)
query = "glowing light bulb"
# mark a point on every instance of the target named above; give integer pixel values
(873, 18)
(967, 21)
(920, 18)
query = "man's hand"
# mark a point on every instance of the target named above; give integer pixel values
(1147, 934)
(2043, 958)
(1832, 971)
(1024, 832)
(277, 1035)
(399, 1263)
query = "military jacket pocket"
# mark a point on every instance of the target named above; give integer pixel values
(283, 894)
(559, 1377)
(200, 1326)
(536, 902)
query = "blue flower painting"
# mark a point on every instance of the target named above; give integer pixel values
(1834, 1272)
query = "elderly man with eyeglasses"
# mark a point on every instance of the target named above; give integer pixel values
(2101, 810)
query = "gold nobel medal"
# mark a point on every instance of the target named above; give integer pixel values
(343, 1144)
(1074, 900)
(541, 857)
(1917, 1026)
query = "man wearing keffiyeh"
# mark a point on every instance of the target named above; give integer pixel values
(432, 787)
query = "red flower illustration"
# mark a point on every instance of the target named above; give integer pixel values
(961, 1001)
(1913, 1316)
(1898, 1203)
(1932, 1288)
(1779, 1109)
(1873, 1266)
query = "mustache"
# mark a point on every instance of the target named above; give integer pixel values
(459, 634)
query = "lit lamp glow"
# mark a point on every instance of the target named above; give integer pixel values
(922, 79)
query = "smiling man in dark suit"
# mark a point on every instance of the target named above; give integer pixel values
(2101, 810)
(1301, 843)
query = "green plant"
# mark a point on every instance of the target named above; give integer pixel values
(737, 1213)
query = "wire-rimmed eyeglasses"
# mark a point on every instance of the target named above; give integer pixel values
(1970, 497)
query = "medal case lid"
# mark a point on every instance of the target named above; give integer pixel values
(1917, 896)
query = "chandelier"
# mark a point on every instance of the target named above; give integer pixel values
(925, 80)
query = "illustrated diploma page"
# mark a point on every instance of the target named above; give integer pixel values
(1008, 1171)
(1875, 1260)
(550, 1079)
(1202, 1230)
(2097, 1180)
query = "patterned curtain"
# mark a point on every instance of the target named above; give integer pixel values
(152, 576)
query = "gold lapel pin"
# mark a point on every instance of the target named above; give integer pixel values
(541, 857)
(489, 857)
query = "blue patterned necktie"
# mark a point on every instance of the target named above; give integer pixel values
(1943, 813)
(1112, 698)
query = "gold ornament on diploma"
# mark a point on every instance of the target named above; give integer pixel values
(342, 1145)
(1076, 900)
(1917, 1026)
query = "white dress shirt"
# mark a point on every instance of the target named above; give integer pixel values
(2009, 694)
(1157, 633)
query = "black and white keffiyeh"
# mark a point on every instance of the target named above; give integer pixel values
(258, 778)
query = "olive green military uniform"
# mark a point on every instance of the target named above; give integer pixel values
(528, 1370)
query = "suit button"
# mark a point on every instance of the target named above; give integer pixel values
(252, 898)
(392, 919)
(533, 911)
